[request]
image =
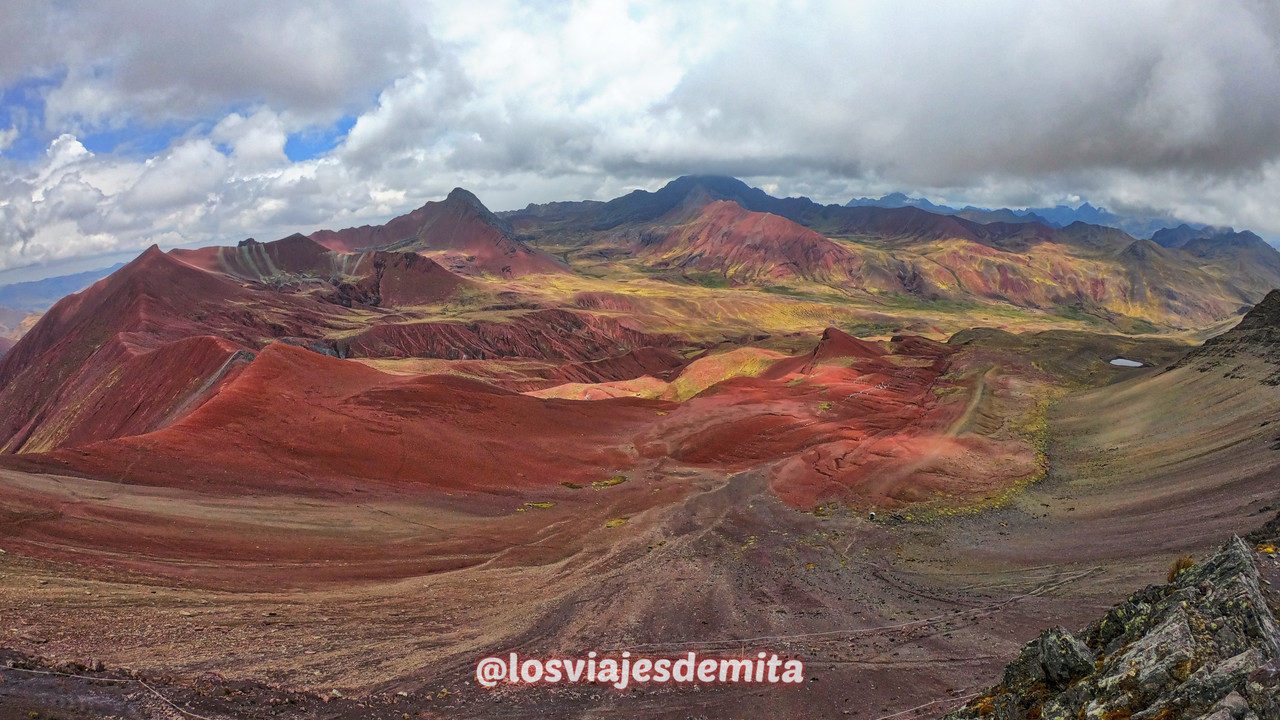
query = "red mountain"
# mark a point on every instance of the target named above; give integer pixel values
(369, 278)
(123, 354)
(301, 421)
(153, 341)
(723, 237)
(460, 229)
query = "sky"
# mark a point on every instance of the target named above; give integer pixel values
(183, 123)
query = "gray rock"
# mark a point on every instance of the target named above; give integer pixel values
(1206, 646)
(1064, 658)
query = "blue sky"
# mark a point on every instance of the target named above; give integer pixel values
(315, 141)
(192, 123)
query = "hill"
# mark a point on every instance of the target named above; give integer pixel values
(885, 442)
(459, 232)
(684, 230)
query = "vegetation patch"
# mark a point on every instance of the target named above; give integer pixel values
(615, 480)
(709, 279)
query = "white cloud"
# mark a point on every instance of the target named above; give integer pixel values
(188, 174)
(1166, 105)
(256, 141)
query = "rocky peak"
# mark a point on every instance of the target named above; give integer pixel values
(1206, 645)
(461, 199)
(1257, 335)
(1264, 316)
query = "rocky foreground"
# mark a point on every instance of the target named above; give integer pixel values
(1206, 645)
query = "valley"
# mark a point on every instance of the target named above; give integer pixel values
(322, 476)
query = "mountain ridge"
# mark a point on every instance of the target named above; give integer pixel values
(460, 230)
(1058, 216)
(910, 251)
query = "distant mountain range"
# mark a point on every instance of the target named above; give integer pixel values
(1139, 226)
(719, 229)
(39, 295)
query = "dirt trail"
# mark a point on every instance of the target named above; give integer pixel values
(963, 422)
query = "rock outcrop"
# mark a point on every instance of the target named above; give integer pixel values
(1204, 646)
(1256, 336)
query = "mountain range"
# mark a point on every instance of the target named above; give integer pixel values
(705, 225)
(1141, 226)
(888, 441)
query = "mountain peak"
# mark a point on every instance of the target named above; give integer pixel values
(462, 195)
(645, 206)
(463, 199)
(1266, 314)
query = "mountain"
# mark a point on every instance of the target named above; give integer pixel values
(1005, 215)
(884, 442)
(459, 232)
(689, 226)
(342, 419)
(153, 341)
(123, 355)
(41, 294)
(1059, 216)
(10, 319)
(723, 237)
(1255, 338)
(370, 278)
(156, 339)
(899, 200)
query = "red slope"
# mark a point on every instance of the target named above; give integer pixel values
(121, 355)
(405, 279)
(474, 240)
(834, 345)
(252, 260)
(376, 278)
(133, 352)
(300, 421)
(721, 236)
(542, 334)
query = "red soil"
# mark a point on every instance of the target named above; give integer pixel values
(252, 260)
(141, 347)
(120, 356)
(133, 378)
(724, 237)
(654, 362)
(850, 420)
(835, 344)
(302, 422)
(476, 240)
(546, 334)
(370, 278)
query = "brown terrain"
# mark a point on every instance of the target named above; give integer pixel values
(321, 477)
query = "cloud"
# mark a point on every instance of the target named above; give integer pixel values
(938, 96)
(1163, 105)
(256, 141)
(187, 174)
(165, 59)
